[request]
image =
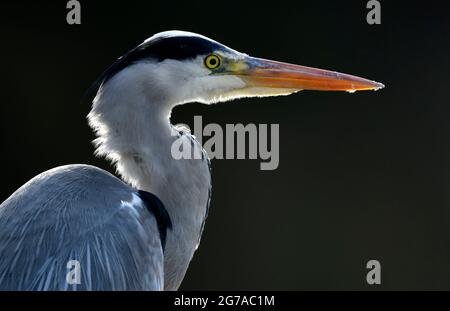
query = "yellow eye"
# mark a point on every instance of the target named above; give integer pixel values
(212, 61)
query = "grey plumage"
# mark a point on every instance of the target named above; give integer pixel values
(83, 213)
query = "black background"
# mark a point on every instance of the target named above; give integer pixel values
(362, 176)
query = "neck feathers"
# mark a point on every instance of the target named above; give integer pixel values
(131, 121)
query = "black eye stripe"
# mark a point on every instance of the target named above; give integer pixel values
(159, 49)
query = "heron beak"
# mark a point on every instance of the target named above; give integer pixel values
(262, 73)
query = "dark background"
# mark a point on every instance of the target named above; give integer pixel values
(362, 176)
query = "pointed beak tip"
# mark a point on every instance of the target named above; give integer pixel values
(371, 86)
(378, 86)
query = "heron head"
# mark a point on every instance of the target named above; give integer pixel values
(186, 67)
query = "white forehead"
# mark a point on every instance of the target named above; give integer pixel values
(177, 33)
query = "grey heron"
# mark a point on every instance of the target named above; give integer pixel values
(139, 232)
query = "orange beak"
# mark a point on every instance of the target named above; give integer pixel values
(262, 73)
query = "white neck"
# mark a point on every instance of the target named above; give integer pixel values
(131, 119)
